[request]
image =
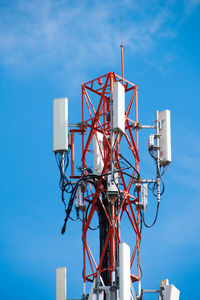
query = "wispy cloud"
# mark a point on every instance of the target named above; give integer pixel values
(52, 32)
(61, 33)
(49, 31)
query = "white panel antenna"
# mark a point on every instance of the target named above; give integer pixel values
(61, 293)
(165, 137)
(60, 124)
(97, 153)
(78, 198)
(124, 272)
(113, 185)
(151, 142)
(170, 292)
(118, 107)
(144, 199)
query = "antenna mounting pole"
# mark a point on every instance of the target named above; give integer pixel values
(122, 51)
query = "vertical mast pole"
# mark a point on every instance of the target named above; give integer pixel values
(158, 154)
(111, 127)
(138, 216)
(83, 217)
(122, 62)
(112, 238)
(122, 52)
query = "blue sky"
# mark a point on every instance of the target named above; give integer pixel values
(48, 48)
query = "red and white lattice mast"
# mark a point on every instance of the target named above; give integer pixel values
(112, 190)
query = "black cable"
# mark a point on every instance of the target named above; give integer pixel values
(130, 164)
(122, 163)
(130, 175)
(164, 170)
(89, 178)
(155, 219)
(66, 186)
(151, 154)
(153, 188)
(86, 216)
(158, 176)
(63, 160)
(163, 186)
(69, 208)
(73, 219)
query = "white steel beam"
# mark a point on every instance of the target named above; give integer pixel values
(124, 272)
(61, 293)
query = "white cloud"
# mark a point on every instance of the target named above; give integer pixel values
(64, 34)
(54, 32)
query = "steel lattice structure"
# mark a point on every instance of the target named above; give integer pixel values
(96, 107)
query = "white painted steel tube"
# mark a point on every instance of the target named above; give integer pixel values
(61, 291)
(124, 271)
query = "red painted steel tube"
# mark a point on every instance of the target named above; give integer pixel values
(122, 62)
(94, 121)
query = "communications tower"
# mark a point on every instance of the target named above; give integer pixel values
(107, 186)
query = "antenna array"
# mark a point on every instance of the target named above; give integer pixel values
(113, 189)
